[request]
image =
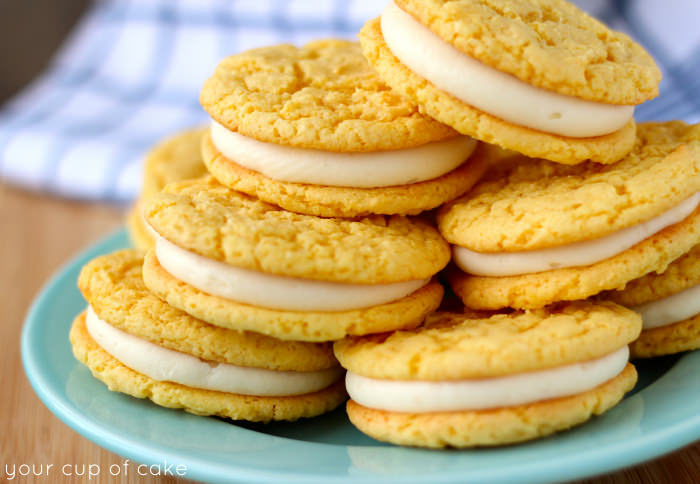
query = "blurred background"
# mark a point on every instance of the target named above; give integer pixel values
(22, 24)
(87, 87)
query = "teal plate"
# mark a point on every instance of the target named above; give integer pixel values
(661, 415)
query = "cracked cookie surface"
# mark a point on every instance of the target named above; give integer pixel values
(550, 44)
(176, 158)
(667, 340)
(483, 126)
(213, 221)
(322, 96)
(680, 275)
(524, 204)
(453, 346)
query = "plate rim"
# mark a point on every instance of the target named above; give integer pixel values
(640, 449)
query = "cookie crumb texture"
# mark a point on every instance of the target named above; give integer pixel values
(525, 204)
(453, 346)
(223, 224)
(491, 427)
(547, 43)
(113, 285)
(654, 254)
(138, 234)
(330, 201)
(321, 96)
(473, 122)
(682, 274)
(407, 312)
(667, 340)
(176, 158)
(120, 378)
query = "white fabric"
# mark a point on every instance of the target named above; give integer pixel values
(131, 71)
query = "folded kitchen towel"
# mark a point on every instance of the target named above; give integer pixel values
(131, 71)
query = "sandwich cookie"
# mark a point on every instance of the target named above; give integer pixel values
(461, 381)
(136, 344)
(669, 304)
(315, 131)
(177, 158)
(541, 77)
(534, 232)
(237, 262)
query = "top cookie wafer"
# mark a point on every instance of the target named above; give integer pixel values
(321, 96)
(213, 221)
(176, 158)
(455, 346)
(525, 204)
(547, 43)
(682, 274)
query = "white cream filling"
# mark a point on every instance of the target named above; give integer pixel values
(671, 309)
(358, 170)
(484, 393)
(491, 90)
(273, 291)
(163, 364)
(571, 255)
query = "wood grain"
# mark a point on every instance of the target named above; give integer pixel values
(37, 235)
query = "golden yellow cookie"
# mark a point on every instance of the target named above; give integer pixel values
(321, 96)
(222, 224)
(176, 158)
(682, 274)
(666, 340)
(538, 290)
(136, 228)
(547, 43)
(113, 286)
(491, 427)
(524, 204)
(483, 126)
(453, 346)
(407, 312)
(201, 402)
(331, 201)
(682, 335)
(455, 349)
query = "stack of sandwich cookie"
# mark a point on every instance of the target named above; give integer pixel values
(534, 232)
(315, 131)
(539, 77)
(177, 158)
(239, 263)
(669, 304)
(461, 381)
(138, 345)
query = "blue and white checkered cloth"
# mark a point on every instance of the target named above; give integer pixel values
(131, 71)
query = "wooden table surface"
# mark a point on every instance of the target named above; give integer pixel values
(38, 234)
